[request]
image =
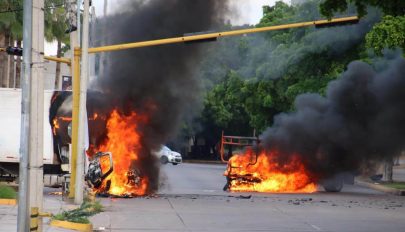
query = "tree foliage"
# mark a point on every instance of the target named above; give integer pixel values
(389, 33)
(253, 78)
(11, 21)
(55, 22)
(11, 30)
(389, 7)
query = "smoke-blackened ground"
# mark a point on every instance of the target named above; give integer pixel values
(156, 81)
(360, 119)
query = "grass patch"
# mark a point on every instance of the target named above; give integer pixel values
(396, 185)
(7, 192)
(81, 214)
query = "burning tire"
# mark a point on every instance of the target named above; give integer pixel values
(334, 184)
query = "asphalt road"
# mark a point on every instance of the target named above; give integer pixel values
(189, 178)
(192, 200)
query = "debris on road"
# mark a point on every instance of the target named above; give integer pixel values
(244, 197)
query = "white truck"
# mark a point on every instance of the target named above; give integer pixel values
(10, 124)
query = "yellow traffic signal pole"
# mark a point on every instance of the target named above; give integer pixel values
(58, 59)
(50, 58)
(77, 53)
(345, 20)
(75, 120)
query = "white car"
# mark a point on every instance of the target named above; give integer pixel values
(168, 156)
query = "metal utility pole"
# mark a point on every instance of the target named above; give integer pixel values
(81, 148)
(23, 202)
(32, 114)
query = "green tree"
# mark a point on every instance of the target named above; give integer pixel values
(389, 33)
(224, 105)
(10, 31)
(11, 34)
(265, 72)
(55, 27)
(389, 7)
(277, 14)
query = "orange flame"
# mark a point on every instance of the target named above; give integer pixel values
(56, 123)
(266, 175)
(123, 141)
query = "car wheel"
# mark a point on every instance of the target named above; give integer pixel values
(164, 160)
(174, 163)
(334, 184)
(227, 184)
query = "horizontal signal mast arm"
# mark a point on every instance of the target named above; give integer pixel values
(318, 23)
(57, 59)
(51, 58)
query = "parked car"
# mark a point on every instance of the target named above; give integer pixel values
(168, 156)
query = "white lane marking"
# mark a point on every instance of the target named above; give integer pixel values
(315, 227)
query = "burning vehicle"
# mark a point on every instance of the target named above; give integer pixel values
(115, 152)
(255, 169)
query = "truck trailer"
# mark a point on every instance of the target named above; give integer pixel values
(10, 129)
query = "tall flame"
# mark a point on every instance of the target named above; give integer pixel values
(261, 173)
(123, 141)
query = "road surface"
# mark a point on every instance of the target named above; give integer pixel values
(192, 200)
(192, 179)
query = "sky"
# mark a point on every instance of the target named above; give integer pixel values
(250, 12)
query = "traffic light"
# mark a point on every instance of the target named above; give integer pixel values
(14, 51)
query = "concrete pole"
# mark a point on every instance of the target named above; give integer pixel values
(79, 22)
(74, 42)
(23, 202)
(36, 143)
(81, 149)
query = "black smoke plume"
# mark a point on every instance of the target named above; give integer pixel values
(360, 119)
(156, 81)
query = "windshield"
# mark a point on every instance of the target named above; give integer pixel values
(164, 148)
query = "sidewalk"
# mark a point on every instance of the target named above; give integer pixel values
(52, 204)
(398, 175)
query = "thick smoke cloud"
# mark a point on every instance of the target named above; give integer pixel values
(156, 81)
(332, 41)
(360, 119)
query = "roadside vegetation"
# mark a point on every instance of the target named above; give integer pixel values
(7, 192)
(396, 185)
(81, 214)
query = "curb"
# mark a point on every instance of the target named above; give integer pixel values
(8, 201)
(72, 225)
(379, 187)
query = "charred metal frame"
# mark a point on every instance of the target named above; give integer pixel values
(240, 141)
(237, 141)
